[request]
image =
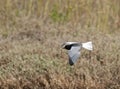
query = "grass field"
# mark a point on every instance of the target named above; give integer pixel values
(31, 34)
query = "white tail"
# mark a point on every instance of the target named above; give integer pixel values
(87, 45)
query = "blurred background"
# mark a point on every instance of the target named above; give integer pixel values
(100, 15)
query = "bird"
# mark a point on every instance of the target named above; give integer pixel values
(74, 49)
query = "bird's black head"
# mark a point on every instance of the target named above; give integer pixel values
(67, 46)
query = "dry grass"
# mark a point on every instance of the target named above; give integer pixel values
(31, 34)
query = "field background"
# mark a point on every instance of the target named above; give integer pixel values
(31, 34)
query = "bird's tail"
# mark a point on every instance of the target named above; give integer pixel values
(87, 45)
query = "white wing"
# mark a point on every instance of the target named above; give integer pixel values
(74, 54)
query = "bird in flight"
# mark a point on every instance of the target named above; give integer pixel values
(74, 49)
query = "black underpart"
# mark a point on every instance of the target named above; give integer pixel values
(68, 47)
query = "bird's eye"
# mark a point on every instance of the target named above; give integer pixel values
(68, 47)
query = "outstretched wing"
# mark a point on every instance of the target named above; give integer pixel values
(74, 54)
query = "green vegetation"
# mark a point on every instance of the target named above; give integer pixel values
(57, 16)
(31, 34)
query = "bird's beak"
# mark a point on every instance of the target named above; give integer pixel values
(63, 45)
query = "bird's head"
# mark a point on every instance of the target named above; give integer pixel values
(67, 45)
(63, 45)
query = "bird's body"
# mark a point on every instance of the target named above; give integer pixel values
(74, 49)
